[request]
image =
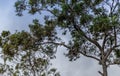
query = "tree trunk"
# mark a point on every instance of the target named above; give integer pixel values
(104, 67)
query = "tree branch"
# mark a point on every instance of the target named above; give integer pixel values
(115, 35)
(89, 56)
(50, 11)
(32, 67)
(114, 63)
(109, 52)
(89, 39)
(61, 44)
(104, 41)
(100, 73)
(117, 3)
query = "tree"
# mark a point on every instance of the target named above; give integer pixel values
(93, 25)
(23, 57)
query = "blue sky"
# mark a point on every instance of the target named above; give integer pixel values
(81, 67)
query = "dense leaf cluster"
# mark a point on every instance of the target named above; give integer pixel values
(28, 51)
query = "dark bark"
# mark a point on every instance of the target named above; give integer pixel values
(103, 60)
(104, 67)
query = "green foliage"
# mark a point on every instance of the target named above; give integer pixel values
(93, 28)
(5, 33)
(29, 52)
(117, 53)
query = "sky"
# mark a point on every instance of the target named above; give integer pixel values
(82, 67)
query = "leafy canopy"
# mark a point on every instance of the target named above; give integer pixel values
(92, 24)
(27, 53)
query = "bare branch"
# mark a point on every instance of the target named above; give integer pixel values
(104, 41)
(89, 56)
(100, 73)
(109, 52)
(55, 43)
(50, 11)
(115, 5)
(112, 6)
(115, 35)
(114, 63)
(32, 67)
